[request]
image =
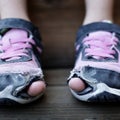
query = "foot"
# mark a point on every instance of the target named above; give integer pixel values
(95, 76)
(36, 87)
(21, 77)
(77, 84)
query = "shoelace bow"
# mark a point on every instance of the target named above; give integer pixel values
(100, 47)
(15, 48)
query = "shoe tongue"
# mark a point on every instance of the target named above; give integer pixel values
(101, 34)
(15, 34)
(100, 40)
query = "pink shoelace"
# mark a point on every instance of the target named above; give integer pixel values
(15, 48)
(100, 45)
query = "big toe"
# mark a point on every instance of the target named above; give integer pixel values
(36, 88)
(77, 84)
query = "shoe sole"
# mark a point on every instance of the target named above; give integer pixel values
(103, 93)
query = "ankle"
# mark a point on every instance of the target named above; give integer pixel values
(91, 20)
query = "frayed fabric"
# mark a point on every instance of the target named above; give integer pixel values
(97, 62)
(20, 48)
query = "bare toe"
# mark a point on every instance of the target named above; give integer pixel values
(36, 88)
(77, 84)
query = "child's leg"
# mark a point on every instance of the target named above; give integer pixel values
(13, 9)
(17, 9)
(96, 10)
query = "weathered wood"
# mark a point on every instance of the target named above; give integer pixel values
(59, 104)
(58, 23)
(57, 76)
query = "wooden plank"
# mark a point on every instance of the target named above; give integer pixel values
(59, 104)
(46, 4)
(58, 24)
(57, 76)
(116, 12)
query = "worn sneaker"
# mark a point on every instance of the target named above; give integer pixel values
(20, 49)
(98, 62)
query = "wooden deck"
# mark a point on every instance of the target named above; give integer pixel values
(59, 104)
(58, 21)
